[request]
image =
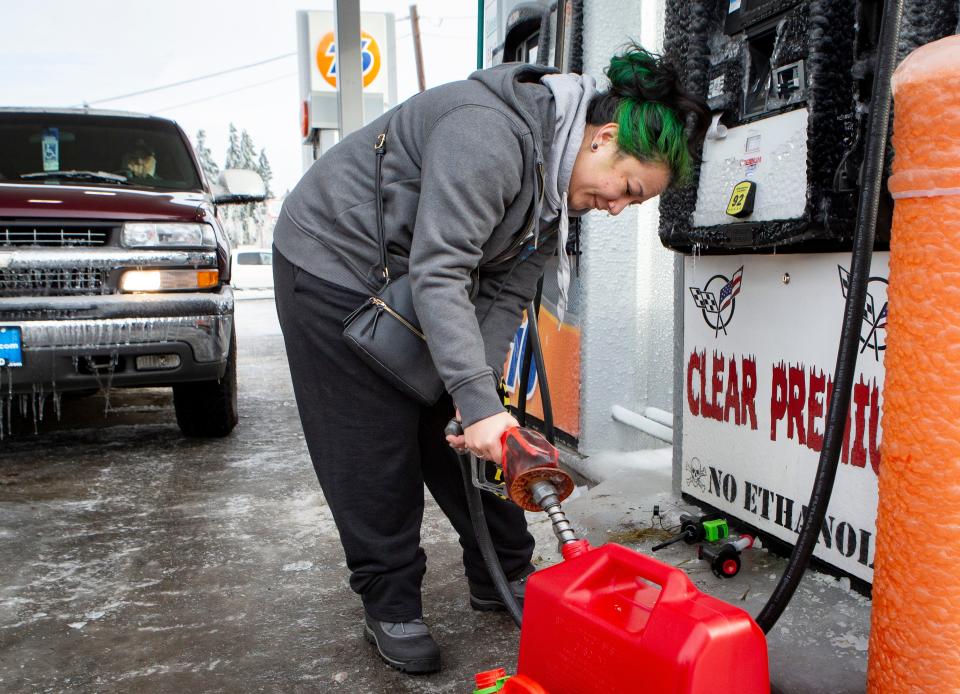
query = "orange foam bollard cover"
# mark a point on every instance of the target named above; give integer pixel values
(915, 634)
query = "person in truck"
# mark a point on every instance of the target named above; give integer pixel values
(463, 170)
(140, 163)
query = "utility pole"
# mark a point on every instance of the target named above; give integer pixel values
(349, 65)
(417, 49)
(559, 48)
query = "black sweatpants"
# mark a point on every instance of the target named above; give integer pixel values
(373, 448)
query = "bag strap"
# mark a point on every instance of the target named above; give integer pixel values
(380, 149)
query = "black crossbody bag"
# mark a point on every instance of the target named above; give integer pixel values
(384, 330)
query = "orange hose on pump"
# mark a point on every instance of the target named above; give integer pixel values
(915, 635)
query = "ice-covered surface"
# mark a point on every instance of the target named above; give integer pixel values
(137, 560)
(626, 275)
(208, 337)
(918, 592)
(778, 160)
(606, 464)
(107, 258)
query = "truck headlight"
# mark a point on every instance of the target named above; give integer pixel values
(168, 280)
(167, 235)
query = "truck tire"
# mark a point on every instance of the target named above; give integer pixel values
(208, 409)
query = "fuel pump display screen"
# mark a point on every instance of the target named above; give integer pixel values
(758, 6)
(758, 73)
(759, 10)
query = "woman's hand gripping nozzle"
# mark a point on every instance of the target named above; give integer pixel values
(532, 474)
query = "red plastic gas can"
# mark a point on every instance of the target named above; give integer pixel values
(613, 621)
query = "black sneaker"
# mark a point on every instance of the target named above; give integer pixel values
(406, 646)
(487, 599)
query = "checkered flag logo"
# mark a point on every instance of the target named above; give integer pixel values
(718, 308)
(882, 318)
(844, 280)
(873, 320)
(704, 300)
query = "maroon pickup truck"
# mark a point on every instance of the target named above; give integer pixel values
(114, 269)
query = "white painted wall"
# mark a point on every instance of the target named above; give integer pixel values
(626, 275)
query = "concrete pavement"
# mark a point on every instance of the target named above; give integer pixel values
(139, 561)
(135, 560)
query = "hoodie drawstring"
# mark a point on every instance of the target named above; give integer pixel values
(563, 260)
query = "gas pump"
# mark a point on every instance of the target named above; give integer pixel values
(767, 232)
(789, 85)
(786, 80)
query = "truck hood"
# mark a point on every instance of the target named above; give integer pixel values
(19, 200)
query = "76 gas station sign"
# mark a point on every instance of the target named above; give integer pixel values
(318, 53)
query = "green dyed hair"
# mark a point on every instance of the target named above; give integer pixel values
(657, 119)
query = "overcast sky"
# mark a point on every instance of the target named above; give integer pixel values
(67, 52)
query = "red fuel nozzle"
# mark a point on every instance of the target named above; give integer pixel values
(529, 458)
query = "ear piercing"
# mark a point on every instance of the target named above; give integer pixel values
(594, 146)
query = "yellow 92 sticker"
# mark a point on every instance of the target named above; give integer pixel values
(741, 200)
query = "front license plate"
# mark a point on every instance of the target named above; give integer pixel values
(11, 346)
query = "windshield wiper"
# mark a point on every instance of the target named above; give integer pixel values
(77, 175)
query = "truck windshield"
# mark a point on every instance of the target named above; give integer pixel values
(86, 149)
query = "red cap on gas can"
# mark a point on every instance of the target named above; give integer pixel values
(574, 549)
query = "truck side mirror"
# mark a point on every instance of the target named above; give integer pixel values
(238, 186)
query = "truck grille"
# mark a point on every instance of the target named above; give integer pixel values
(53, 235)
(52, 282)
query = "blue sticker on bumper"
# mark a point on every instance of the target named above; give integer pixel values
(11, 346)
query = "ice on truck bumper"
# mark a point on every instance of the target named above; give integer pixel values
(80, 342)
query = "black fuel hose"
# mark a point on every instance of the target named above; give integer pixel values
(482, 531)
(533, 352)
(863, 240)
(533, 332)
(533, 309)
(485, 542)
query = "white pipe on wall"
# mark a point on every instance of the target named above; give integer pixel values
(658, 415)
(639, 422)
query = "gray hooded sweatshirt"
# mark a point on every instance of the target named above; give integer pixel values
(461, 166)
